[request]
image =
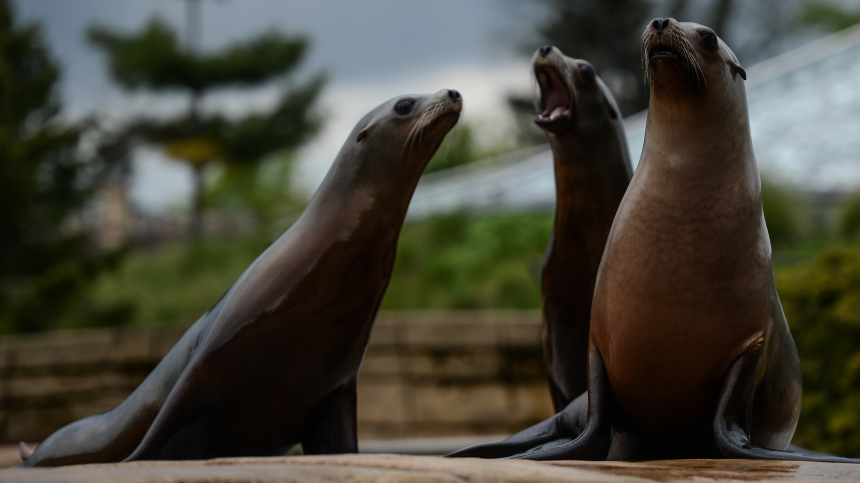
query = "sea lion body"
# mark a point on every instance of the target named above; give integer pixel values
(690, 353)
(592, 169)
(688, 236)
(274, 362)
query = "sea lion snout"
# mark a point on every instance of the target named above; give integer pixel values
(660, 24)
(671, 46)
(446, 102)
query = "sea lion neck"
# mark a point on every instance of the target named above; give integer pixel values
(345, 192)
(582, 161)
(703, 134)
(587, 163)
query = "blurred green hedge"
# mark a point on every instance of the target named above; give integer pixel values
(466, 262)
(821, 299)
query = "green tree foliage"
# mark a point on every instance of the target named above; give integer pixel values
(608, 34)
(462, 262)
(829, 15)
(153, 59)
(849, 217)
(822, 303)
(45, 180)
(783, 213)
(259, 190)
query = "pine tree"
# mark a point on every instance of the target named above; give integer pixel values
(153, 59)
(46, 262)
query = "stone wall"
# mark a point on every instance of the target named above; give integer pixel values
(425, 374)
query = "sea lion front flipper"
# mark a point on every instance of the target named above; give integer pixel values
(336, 430)
(733, 418)
(580, 431)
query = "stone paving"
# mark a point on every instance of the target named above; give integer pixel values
(398, 468)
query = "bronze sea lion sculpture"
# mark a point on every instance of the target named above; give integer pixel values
(690, 353)
(274, 362)
(592, 170)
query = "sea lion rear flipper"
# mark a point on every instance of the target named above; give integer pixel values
(565, 425)
(24, 450)
(336, 431)
(733, 418)
(580, 431)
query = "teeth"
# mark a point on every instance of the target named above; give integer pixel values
(558, 111)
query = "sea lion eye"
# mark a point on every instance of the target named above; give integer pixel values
(587, 72)
(709, 39)
(404, 106)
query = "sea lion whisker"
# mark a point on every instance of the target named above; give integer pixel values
(452, 140)
(646, 59)
(692, 60)
(422, 122)
(415, 132)
(681, 47)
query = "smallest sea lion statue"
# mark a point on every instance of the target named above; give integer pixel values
(274, 362)
(690, 354)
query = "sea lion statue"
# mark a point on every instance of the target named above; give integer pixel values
(592, 170)
(274, 362)
(690, 355)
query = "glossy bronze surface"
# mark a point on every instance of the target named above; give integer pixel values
(274, 362)
(687, 331)
(592, 171)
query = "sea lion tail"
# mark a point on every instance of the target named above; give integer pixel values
(24, 450)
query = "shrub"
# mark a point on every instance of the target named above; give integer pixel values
(821, 299)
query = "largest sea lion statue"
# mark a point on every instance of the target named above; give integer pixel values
(690, 354)
(592, 170)
(274, 362)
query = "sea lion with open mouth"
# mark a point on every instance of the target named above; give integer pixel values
(274, 362)
(592, 170)
(690, 354)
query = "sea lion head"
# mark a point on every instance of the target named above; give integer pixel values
(687, 60)
(572, 95)
(388, 149)
(395, 141)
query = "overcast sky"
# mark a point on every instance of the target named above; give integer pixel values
(371, 50)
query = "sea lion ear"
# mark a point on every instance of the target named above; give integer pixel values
(612, 112)
(737, 69)
(363, 134)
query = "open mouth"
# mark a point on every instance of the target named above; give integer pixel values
(554, 97)
(665, 52)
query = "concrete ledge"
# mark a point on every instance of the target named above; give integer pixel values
(395, 468)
